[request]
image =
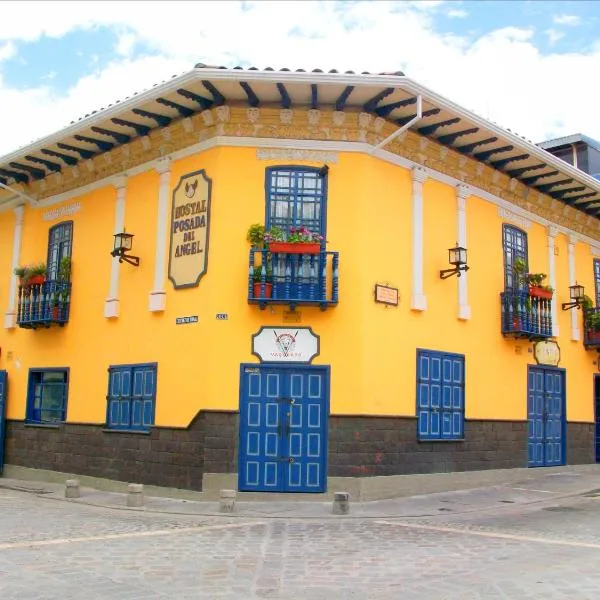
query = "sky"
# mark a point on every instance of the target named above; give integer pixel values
(532, 66)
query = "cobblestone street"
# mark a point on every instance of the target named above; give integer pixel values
(53, 549)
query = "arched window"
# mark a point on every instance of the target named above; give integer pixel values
(514, 242)
(60, 241)
(296, 197)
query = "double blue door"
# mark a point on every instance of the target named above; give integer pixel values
(3, 381)
(546, 417)
(283, 428)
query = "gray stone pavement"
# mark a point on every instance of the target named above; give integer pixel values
(539, 538)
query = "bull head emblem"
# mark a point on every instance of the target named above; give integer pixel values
(190, 189)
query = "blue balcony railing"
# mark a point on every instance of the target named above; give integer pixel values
(293, 279)
(591, 328)
(526, 316)
(44, 304)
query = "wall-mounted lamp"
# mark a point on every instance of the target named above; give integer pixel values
(576, 293)
(123, 244)
(457, 257)
(323, 170)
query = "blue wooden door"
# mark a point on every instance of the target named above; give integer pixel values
(546, 417)
(3, 386)
(440, 395)
(131, 396)
(283, 429)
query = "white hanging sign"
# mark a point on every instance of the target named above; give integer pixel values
(285, 344)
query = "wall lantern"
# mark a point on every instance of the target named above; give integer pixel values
(457, 257)
(576, 293)
(123, 244)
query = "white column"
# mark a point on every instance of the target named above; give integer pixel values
(418, 300)
(10, 318)
(158, 297)
(111, 304)
(575, 334)
(552, 231)
(462, 193)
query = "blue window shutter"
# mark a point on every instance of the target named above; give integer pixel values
(514, 242)
(440, 395)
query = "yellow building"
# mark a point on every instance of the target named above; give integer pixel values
(178, 351)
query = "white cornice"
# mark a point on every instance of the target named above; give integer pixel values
(315, 145)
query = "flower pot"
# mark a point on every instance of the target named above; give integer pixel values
(36, 280)
(55, 313)
(294, 248)
(268, 289)
(539, 292)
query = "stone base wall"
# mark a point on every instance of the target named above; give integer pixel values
(372, 446)
(165, 457)
(359, 446)
(580, 443)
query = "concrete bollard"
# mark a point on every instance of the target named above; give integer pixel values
(341, 503)
(135, 496)
(227, 501)
(72, 488)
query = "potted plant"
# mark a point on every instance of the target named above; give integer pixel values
(536, 287)
(257, 279)
(36, 274)
(592, 326)
(298, 240)
(61, 292)
(256, 235)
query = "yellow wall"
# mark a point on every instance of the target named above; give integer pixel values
(371, 348)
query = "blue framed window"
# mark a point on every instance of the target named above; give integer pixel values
(131, 397)
(597, 280)
(296, 197)
(60, 242)
(47, 395)
(514, 242)
(440, 396)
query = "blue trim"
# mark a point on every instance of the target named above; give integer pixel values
(3, 405)
(597, 280)
(452, 137)
(430, 129)
(371, 104)
(102, 145)
(83, 152)
(121, 138)
(183, 111)
(218, 98)
(161, 120)
(514, 245)
(31, 392)
(341, 101)
(61, 236)
(201, 100)
(314, 96)
(286, 102)
(52, 166)
(386, 109)
(253, 100)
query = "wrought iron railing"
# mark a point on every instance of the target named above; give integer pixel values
(42, 304)
(294, 279)
(591, 328)
(526, 316)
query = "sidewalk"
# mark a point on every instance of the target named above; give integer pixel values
(539, 487)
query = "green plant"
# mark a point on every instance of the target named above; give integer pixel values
(295, 235)
(535, 279)
(26, 272)
(592, 321)
(20, 272)
(64, 269)
(275, 234)
(257, 275)
(37, 269)
(256, 234)
(587, 302)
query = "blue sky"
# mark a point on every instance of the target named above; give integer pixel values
(505, 60)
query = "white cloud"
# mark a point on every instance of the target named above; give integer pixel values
(457, 13)
(501, 75)
(566, 20)
(554, 36)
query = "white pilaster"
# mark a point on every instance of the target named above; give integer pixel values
(111, 304)
(10, 318)
(552, 231)
(575, 334)
(158, 297)
(418, 299)
(462, 193)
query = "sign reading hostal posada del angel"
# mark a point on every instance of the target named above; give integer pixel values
(190, 221)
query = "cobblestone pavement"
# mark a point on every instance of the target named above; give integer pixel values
(56, 550)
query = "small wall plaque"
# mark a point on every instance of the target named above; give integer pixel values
(222, 316)
(546, 353)
(386, 295)
(292, 316)
(186, 320)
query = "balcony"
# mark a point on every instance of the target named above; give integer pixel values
(591, 328)
(525, 316)
(293, 279)
(44, 304)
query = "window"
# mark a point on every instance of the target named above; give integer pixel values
(440, 395)
(514, 243)
(59, 245)
(131, 397)
(296, 197)
(597, 280)
(47, 395)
